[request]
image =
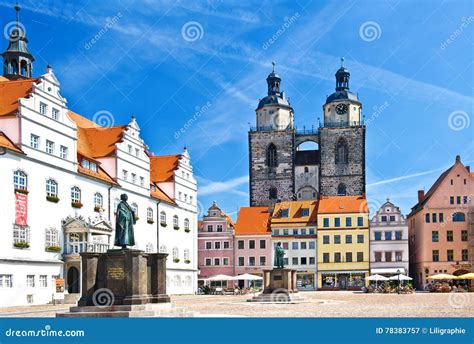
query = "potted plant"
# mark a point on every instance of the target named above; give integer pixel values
(22, 191)
(136, 218)
(97, 208)
(150, 221)
(176, 228)
(53, 248)
(163, 224)
(187, 230)
(54, 199)
(187, 261)
(77, 205)
(176, 260)
(21, 244)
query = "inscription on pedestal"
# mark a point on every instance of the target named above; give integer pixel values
(116, 273)
(277, 278)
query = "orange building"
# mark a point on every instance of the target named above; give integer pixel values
(438, 226)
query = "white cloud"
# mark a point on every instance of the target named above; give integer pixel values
(224, 186)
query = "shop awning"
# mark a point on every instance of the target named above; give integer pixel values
(344, 272)
(388, 271)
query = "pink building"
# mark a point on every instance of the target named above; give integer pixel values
(253, 245)
(439, 228)
(216, 244)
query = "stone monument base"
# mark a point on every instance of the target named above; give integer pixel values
(127, 311)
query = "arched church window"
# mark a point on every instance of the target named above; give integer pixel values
(306, 169)
(272, 156)
(273, 194)
(342, 152)
(341, 190)
(459, 217)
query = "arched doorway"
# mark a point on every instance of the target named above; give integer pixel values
(307, 170)
(73, 280)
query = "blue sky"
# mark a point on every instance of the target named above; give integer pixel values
(173, 63)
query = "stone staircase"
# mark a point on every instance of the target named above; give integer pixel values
(167, 310)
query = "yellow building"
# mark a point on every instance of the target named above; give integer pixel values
(343, 242)
(293, 224)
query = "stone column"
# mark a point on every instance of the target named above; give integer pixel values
(89, 276)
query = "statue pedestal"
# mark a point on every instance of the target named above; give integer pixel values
(122, 277)
(279, 286)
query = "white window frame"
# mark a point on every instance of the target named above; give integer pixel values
(63, 152)
(149, 213)
(21, 234)
(20, 180)
(43, 281)
(186, 224)
(207, 260)
(55, 114)
(30, 281)
(51, 188)
(162, 217)
(43, 108)
(51, 237)
(75, 194)
(49, 147)
(98, 199)
(6, 281)
(34, 141)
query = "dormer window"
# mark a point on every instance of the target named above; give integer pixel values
(92, 166)
(305, 212)
(284, 213)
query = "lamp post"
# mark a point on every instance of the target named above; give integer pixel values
(398, 274)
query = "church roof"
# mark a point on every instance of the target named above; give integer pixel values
(341, 95)
(273, 100)
(295, 212)
(342, 204)
(162, 167)
(253, 221)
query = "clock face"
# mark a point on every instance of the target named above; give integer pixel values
(341, 109)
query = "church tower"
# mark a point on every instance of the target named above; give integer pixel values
(342, 141)
(271, 147)
(17, 60)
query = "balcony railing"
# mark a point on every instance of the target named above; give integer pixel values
(79, 247)
(341, 124)
(271, 128)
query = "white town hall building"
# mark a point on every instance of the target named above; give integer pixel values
(61, 177)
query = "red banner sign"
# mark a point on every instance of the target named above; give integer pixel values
(21, 209)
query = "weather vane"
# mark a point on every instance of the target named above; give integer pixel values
(342, 61)
(273, 64)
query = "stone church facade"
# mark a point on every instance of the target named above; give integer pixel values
(280, 171)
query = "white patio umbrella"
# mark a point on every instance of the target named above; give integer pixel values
(247, 277)
(220, 277)
(377, 278)
(400, 277)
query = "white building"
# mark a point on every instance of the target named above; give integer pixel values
(388, 241)
(61, 177)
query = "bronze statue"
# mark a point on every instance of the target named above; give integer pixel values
(124, 221)
(279, 254)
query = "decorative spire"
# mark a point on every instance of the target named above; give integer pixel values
(342, 77)
(273, 64)
(273, 81)
(342, 62)
(17, 9)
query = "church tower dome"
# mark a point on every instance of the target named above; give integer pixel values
(17, 59)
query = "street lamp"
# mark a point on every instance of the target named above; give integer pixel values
(398, 274)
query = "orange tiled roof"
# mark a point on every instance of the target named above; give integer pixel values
(8, 144)
(2, 79)
(253, 220)
(295, 214)
(342, 204)
(100, 174)
(98, 142)
(82, 121)
(162, 167)
(158, 193)
(11, 92)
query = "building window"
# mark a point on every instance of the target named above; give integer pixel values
(273, 193)
(43, 108)
(337, 257)
(388, 256)
(285, 231)
(305, 212)
(130, 149)
(465, 199)
(303, 231)
(21, 234)
(208, 245)
(378, 236)
(63, 152)
(398, 235)
(49, 147)
(294, 261)
(435, 255)
(209, 228)
(388, 236)
(284, 213)
(208, 261)
(263, 244)
(175, 221)
(325, 239)
(163, 249)
(435, 236)
(450, 255)
(378, 256)
(34, 141)
(325, 257)
(458, 199)
(75, 195)
(241, 261)
(337, 239)
(464, 255)
(451, 200)
(342, 152)
(186, 254)
(459, 217)
(348, 239)
(149, 214)
(433, 217)
(137, 152)
(43, 281)
(348, 221)
(360, 221)
(464, 236)
(272, 156)
(348, 257)
(360, 238)
(240, 244)
(55, 114)
(142, 181)
(427, 218)
(251, 244)
(263, 260)
(124, 175)
(303, 260)
(312, 261)
(303, 245)
(19, 180)
(337, 222)
(217, 245)
(360, 256)
(276, 232)
(251, 261)
(398, 256)
(225, 261)
(449, 236)
(341, 190)
(6, 281)
(392, 218)
(98, 200)
(134, 178)
(30, 281)
(384, 218)
(175, 253)
(219, 228)
(51, 237)
(226, 245)
(294, 245)
(186, 224)
(325, 222)
(163, 218)
(51, 188)
(149, 248)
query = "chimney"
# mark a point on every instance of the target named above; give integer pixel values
(421, 195)
(458, 159)
(468, 168)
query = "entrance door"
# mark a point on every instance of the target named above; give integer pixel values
(73, 280)
(343, 282)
